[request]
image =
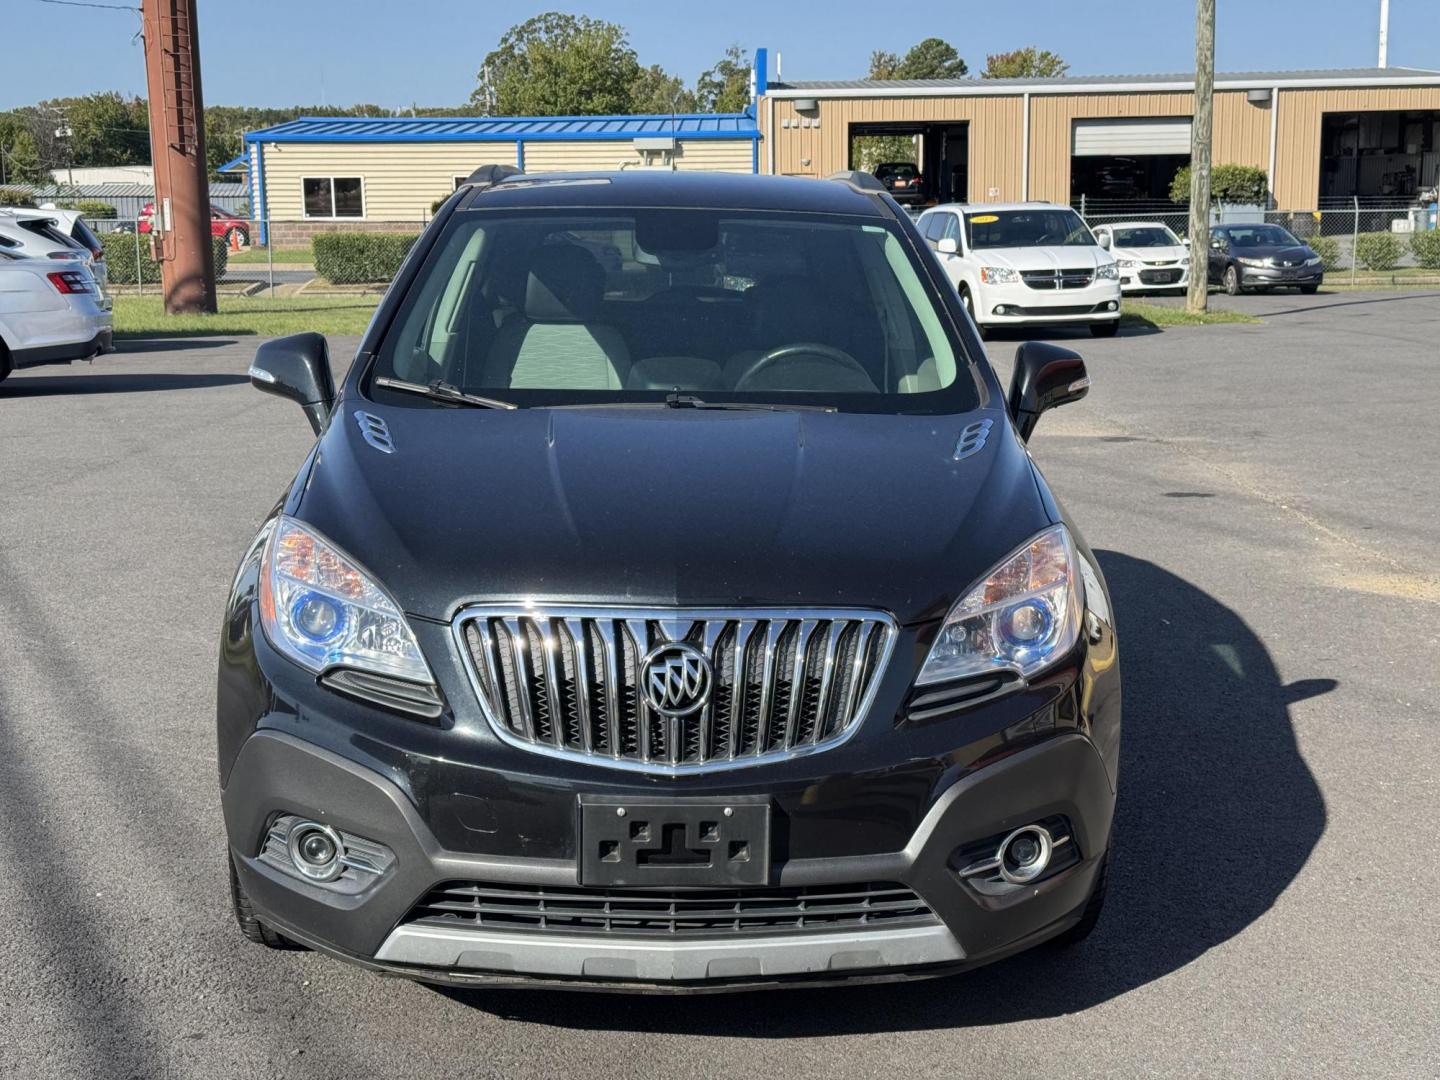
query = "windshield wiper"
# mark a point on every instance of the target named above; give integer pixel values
(439, 390)
(690, 401)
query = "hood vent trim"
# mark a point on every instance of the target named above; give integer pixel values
(972, 438)
(375, 431)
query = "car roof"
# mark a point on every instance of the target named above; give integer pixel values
(989, 208)
(1131, 225)
(662, 188)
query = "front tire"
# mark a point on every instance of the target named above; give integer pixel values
(5, 366)
(253, 929)
(1308, 290)
(1105, 329)
(1231, 281)
(232, 234)
(969, 302)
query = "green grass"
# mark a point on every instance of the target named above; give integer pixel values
(144, 316)
(1135, 313)
(259, 255)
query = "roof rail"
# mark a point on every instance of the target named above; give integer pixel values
(490, 175)
(858, 180)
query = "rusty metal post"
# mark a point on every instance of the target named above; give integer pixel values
(180, 227)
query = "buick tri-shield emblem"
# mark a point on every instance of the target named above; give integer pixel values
(677, 679)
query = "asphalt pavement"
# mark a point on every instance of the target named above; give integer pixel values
(1264, 503)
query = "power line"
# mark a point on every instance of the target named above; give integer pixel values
(81, 3)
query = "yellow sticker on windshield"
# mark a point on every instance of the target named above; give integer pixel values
(984, 219)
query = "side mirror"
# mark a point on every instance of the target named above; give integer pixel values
(1046, 376)
(947, 246)
(1103, 240)
(298, 368)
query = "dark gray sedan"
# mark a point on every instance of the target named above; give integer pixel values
(1246, 257)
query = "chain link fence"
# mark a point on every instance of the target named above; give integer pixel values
(1365, 241)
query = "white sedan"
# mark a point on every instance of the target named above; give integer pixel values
(50, 312)
(1151, 257)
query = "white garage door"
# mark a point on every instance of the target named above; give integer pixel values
(1105, 138)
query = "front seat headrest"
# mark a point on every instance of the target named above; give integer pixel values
(566, 284)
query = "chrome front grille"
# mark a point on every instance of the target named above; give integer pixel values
(670, 912)
(581, 682)
(1076, 278)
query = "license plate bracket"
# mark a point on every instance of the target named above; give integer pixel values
(706, 842)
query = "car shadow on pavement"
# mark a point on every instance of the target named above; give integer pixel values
(112, 383)
(172, 343)
(1217, 815)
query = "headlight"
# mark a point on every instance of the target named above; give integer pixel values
(322, 610)
(1250, 262)
(998, 275)
(1124, 264)
(1023, 616)
(1106, 270)
(1316, 261)
(1184, 260)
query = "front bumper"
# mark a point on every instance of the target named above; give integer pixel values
(1134, 281)
(1018, 304)
(276, 772)
(1281, 277)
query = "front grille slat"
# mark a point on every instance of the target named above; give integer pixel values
(699, 913)
(573, 681)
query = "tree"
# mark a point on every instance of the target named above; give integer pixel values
(559, 65)
(932, 59)
(1026, 63)
(726, 86)
(884, 65)
(19, 159)
(657, 91)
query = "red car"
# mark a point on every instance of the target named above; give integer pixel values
(222, 223)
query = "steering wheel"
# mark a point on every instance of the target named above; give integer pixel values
(827, 353)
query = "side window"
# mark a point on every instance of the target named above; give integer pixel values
(952, 228)
(935, 227)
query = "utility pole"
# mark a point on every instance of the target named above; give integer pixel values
(181, 231)
(1384, 31)
(1198, 297)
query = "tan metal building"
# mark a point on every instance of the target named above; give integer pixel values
(1321, 136)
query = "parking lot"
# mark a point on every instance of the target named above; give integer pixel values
(1264, 501)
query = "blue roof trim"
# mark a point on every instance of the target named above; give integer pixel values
(342, 129)
(234, 164)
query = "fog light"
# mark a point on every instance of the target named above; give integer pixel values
(1111, 305)
(1024, 854)
(315, 850)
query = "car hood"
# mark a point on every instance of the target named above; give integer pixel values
(1059, 257)
(672, 506)
(1292, 253)
(1171, 253)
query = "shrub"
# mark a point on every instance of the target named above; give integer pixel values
(93, 208)
(1425, 246)
(1328, 248)
(1239, 185)
(360, 258)
(14, 196)
(1377, 250)
(121, 266)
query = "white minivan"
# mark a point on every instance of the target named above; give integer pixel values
(1017, 264)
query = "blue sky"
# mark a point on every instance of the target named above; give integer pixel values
(283, 52)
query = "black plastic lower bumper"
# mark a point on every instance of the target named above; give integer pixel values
(278, 773)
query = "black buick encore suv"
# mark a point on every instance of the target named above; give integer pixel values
(668, 602)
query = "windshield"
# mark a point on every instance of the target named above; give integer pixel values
(1145, 236)
(1048, 227)
(1261, 236)
(556, 307)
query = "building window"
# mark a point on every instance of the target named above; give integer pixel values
(334, 196)
(458, 181)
